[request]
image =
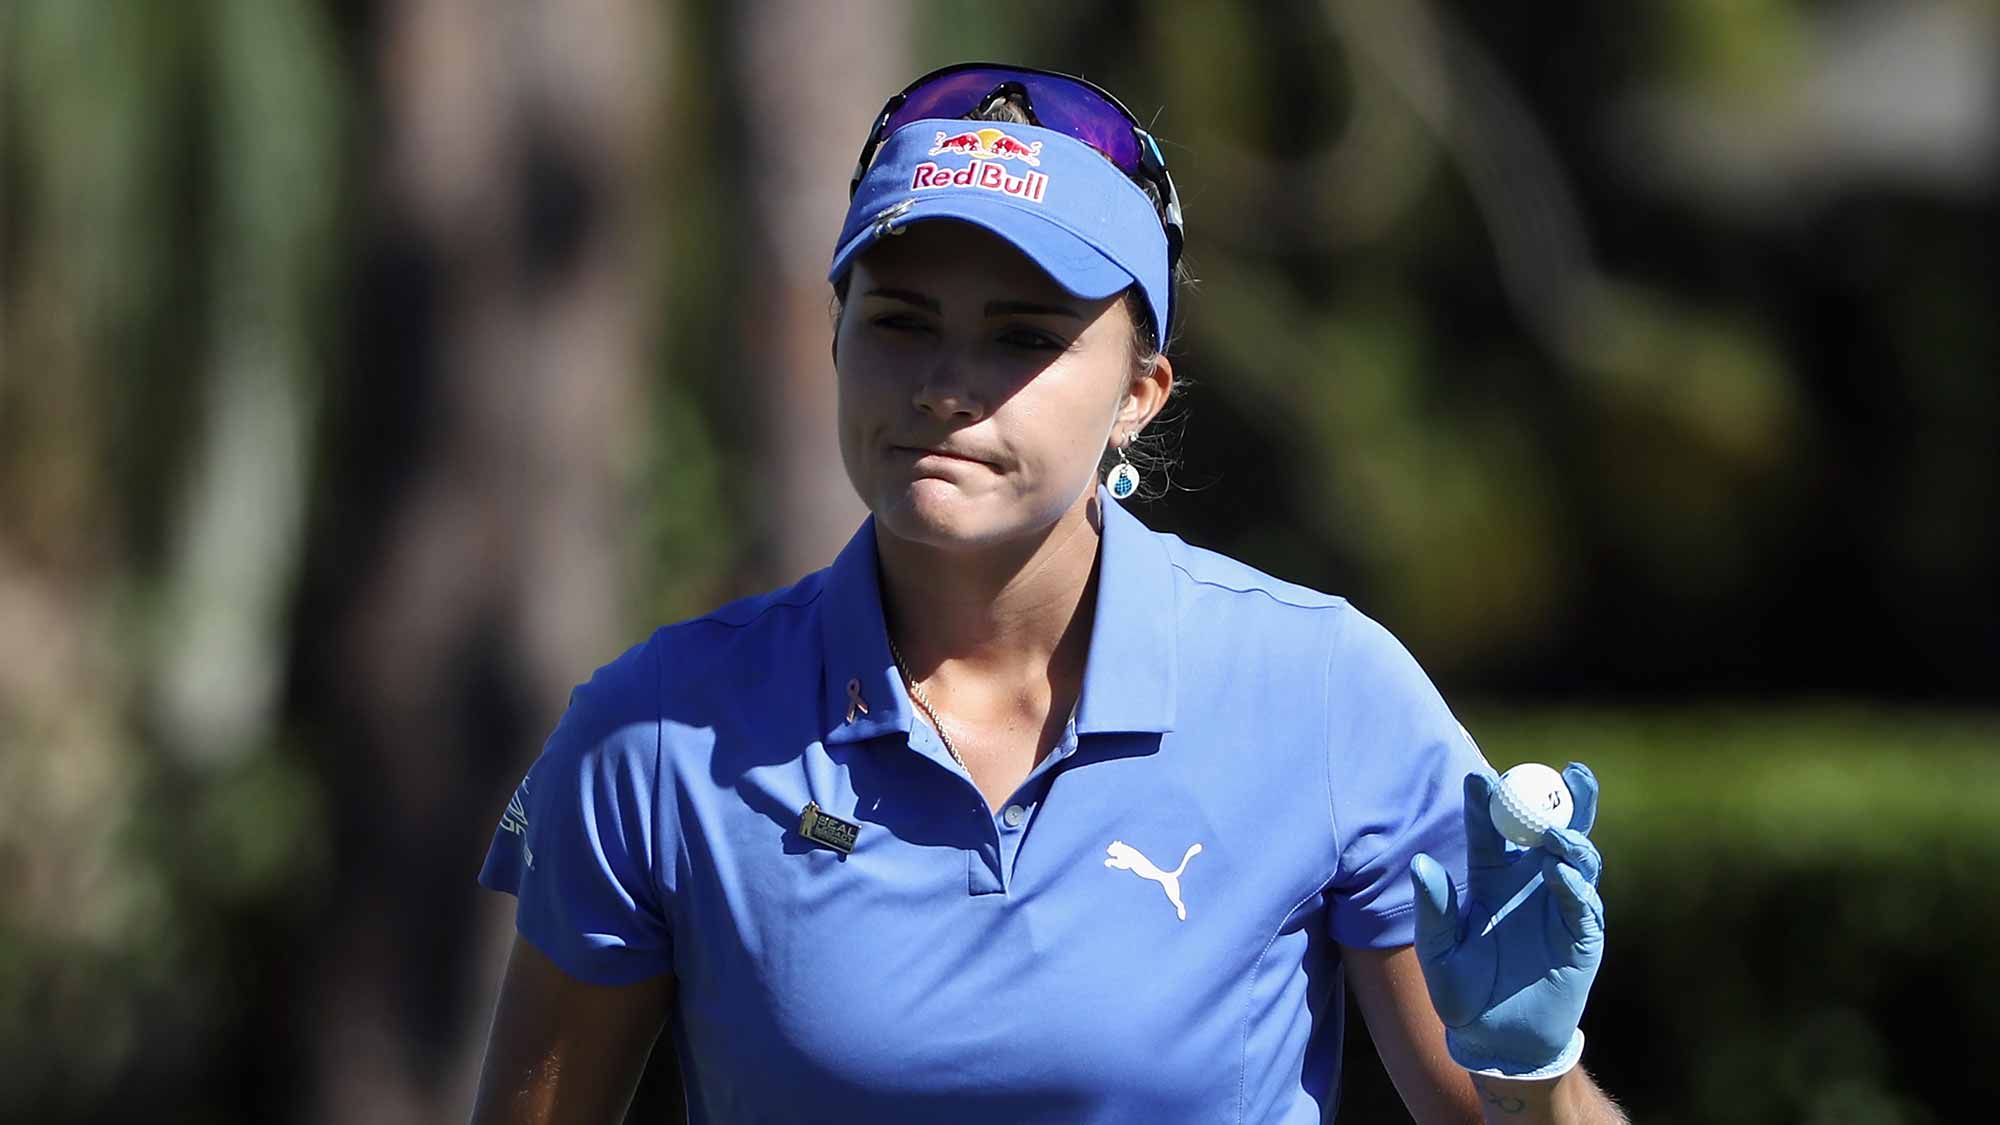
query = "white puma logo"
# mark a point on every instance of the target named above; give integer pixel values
(1128, 858)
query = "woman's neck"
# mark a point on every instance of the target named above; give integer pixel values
(1011, 616)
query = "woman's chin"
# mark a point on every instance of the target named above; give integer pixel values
(941, 515)
(936, 512)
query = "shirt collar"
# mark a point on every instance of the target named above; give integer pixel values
(854, 646)
(1130, 677)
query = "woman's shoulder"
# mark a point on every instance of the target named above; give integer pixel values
(741, 627)
(740, 643)
(1361, 647)
(1203, 569)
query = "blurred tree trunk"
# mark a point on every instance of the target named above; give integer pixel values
(469, 563)
(809, 79)
(167, 199)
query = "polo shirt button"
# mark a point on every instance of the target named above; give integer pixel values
(1014, 815)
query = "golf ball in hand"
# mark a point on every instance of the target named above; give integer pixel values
(1530, 799)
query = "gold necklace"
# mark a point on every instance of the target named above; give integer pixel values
(924, 701)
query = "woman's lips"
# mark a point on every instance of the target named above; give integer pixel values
(921, 454)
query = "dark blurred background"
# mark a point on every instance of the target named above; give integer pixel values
(370, 372)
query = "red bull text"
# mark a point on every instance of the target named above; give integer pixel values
(985, 174)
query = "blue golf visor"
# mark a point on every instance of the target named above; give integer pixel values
(1052, 197)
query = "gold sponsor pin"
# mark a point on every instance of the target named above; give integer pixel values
(820, 826)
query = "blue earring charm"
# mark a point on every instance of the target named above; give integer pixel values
(1123, 479)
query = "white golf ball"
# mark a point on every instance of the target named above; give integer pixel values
(1530, 799)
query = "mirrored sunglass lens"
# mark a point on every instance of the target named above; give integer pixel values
(1059, 104)
(1084, 114)
(953, 95)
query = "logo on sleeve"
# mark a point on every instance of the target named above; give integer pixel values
(515, 820)
(1125, 857)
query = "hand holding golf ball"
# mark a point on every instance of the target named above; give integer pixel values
(1510, 971)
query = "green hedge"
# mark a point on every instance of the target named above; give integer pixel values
(1801, 906)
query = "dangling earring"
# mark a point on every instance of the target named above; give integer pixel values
(1123, 479)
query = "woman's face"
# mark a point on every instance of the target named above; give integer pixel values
(976, 395)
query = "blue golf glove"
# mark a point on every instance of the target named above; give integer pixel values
(1511, 991)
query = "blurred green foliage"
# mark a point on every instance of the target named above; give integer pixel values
(1782, 787)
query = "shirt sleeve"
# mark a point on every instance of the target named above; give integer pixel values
(586, 843)
(1396, 776)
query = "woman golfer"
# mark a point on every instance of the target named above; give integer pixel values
(1020, 811)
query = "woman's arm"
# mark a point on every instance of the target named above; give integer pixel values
(563, 1052)
(1389, 988)
(1573, 1098)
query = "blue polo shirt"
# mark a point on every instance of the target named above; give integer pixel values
(1147, 931)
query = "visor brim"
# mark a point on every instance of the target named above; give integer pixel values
(1081, 269)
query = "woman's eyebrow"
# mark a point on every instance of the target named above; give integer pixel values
(1030, 308)
(993, 308)
(907, 296)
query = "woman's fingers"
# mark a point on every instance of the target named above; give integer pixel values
(1483, 845)
(1583, 795)
(1437, 907)
(1578, 903)
(1574, 848)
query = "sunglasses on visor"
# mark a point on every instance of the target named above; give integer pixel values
(1062, 102)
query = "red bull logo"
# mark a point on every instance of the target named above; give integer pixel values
(989, 144)
(985, 174)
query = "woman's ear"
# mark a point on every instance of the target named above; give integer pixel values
(1147, 396)
(839, 314)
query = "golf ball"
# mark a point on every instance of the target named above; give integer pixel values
(1530, 799)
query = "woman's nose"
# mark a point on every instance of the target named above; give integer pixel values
(946, 392)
